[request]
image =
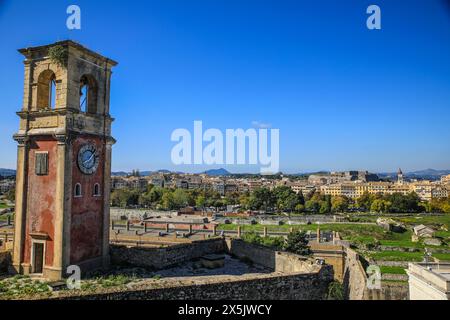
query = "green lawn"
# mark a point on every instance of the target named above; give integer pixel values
(442, 256)
(397, 256)
(392, 270)
(428, 220)
(348, 228)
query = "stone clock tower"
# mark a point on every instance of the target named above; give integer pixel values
(63, 161)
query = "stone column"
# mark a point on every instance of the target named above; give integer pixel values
(21, 200)
(29, 87)
(318, 234)
(239, 231)
(61, 239)
(106, 201)
(265, 232)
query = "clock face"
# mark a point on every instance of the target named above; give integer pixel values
(88, 159)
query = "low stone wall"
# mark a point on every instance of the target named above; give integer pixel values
(389, 291)
(394, 277)
(355, 279)
(403, 264)
(355, 282)
(136, 214)
(276, 260)
(332, 254)
(283, 287)
(159, 258)
(295, 277)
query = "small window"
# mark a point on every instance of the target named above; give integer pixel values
(52, 93)
(84, 94)
(78, 190)
(41, 163)
(96, 190)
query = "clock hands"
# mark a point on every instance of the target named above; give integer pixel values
(89, 160)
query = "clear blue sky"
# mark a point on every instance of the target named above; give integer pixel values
(342, 96)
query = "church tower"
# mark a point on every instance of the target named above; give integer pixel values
(400, 179)
(63, 161)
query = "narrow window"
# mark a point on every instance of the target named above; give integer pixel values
(52, 93)
(78, 190)
(96, 190)
(41, 163)
(84, 93)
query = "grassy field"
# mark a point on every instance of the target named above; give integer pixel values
(392, 270)
(435, 221)
(396, 256)
(442, 256)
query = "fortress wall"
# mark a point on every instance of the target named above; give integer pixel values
(159, 258)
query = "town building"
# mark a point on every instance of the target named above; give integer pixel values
(6, 185)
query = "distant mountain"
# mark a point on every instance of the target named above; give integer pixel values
(119, 173)
(143, 173)
(217, 172)
(427, 174)
(164, 171)
(7, 172)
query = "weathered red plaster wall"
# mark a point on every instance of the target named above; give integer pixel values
(41, 198)
(87, 211)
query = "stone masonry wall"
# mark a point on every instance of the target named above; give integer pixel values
(159, 258)
(276, 260)
(294, 286)
(355, 279)
(298, 278)
(355, 282)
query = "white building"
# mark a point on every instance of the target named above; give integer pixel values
(429, 281)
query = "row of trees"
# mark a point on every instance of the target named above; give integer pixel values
(280, 199)
(167, 199)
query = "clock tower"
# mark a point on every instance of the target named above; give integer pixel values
(63, 161)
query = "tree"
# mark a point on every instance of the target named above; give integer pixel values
(181, 198)
(339, 204)
(11, 195)
(200, 201)
(156, 194)
(365, 201)
(145, 200)
(312, 206)
(299, 208)
(244, 200)
(167, 200)
(125, 198)
(262, 198)
(380, 206)
(297, 243)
